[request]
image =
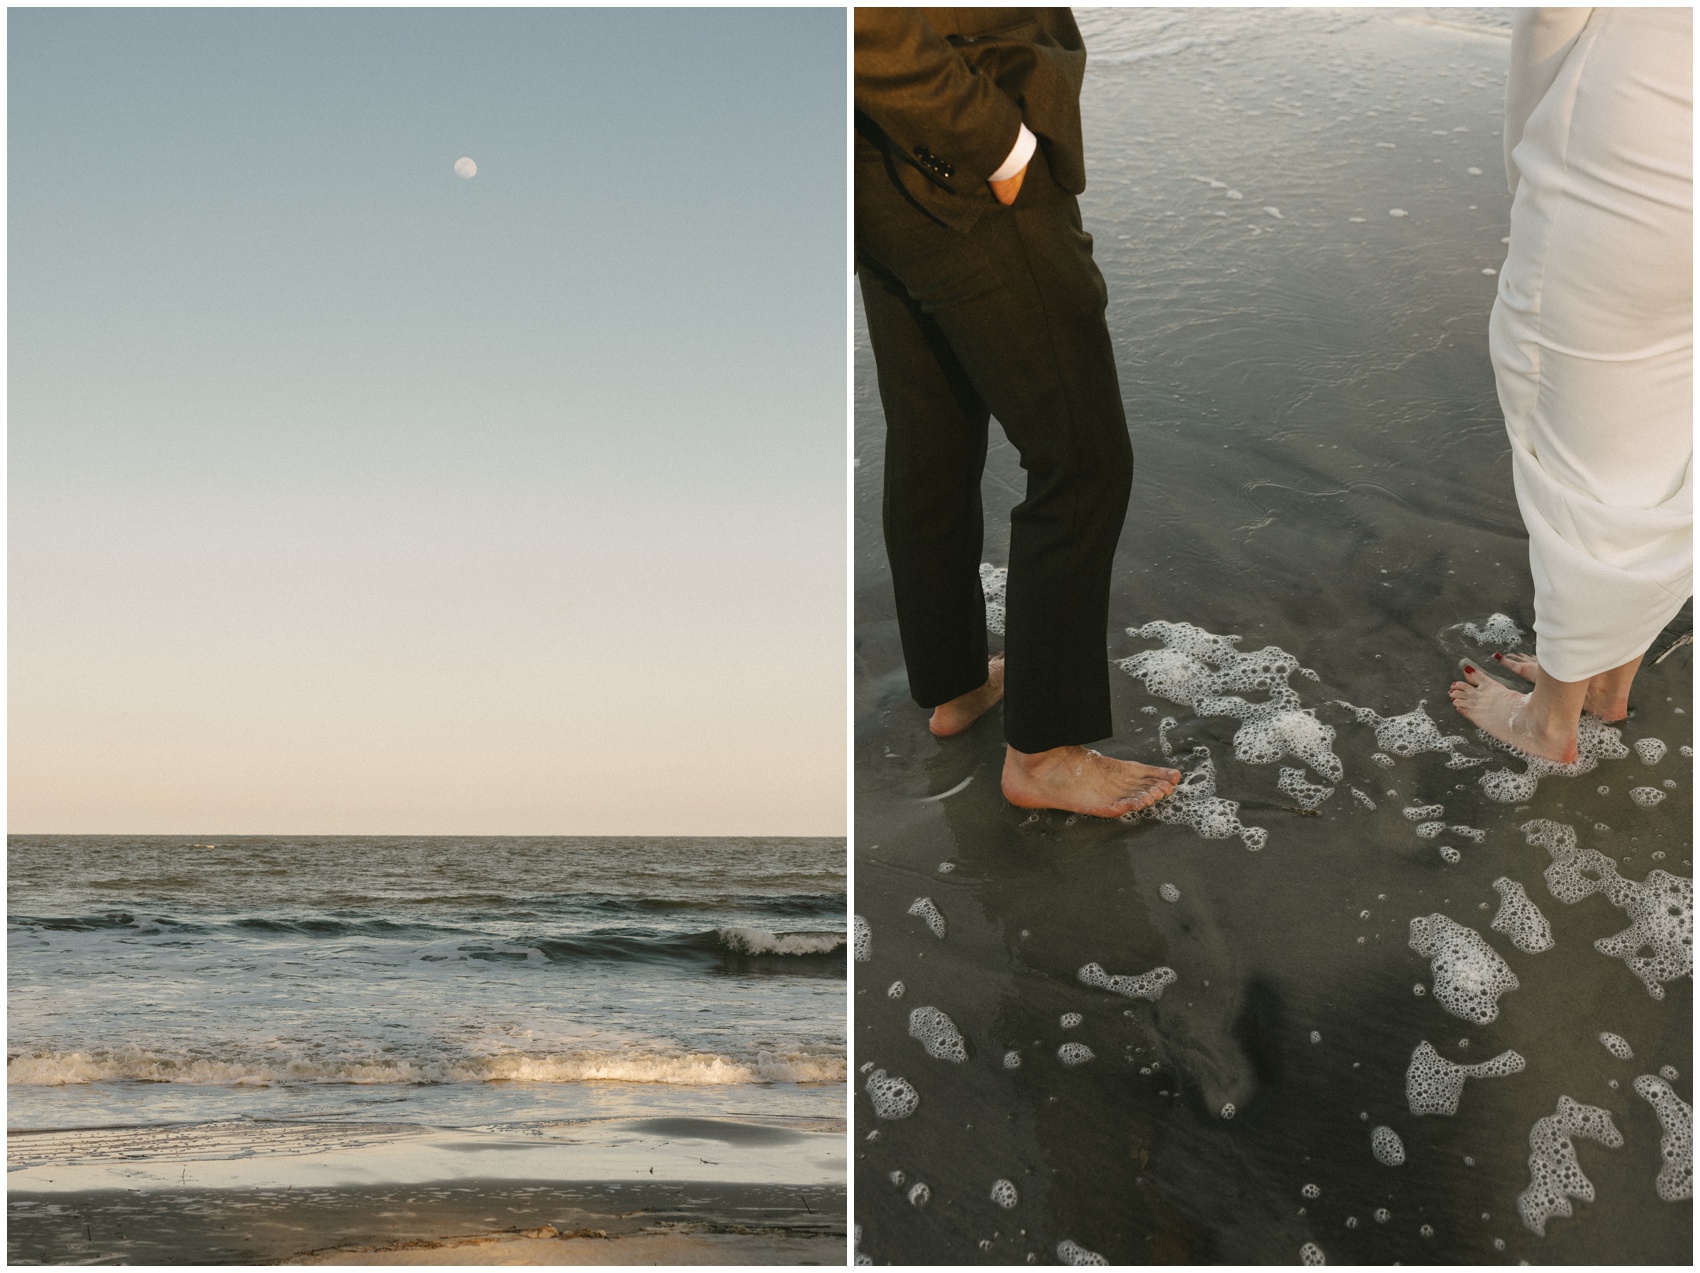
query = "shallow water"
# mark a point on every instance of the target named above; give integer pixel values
(1321, 467)
(454, 982)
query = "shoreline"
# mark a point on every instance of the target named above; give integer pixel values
(659, 1190)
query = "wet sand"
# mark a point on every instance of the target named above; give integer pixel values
(676, 1190)
(1321, 466)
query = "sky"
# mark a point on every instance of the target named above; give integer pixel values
(348, 496)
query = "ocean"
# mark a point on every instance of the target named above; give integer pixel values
(454, 982)
(1230, 1037)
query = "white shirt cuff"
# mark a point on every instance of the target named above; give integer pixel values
(1025, 144)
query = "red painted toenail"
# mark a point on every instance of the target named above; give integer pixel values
(1468, 668)
(1499, 656)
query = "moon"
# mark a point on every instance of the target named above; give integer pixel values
(465, 168)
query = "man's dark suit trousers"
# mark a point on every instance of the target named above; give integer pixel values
(1005, 320)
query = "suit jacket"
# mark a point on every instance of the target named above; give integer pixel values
(941, 95)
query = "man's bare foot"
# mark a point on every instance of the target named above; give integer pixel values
(1608, 693)
(1080, 780)
(962, 711)
(1514, 718)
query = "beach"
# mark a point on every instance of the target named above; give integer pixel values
(1192, 1039)
(260, 1049)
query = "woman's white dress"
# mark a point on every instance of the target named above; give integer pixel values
(1592, 333)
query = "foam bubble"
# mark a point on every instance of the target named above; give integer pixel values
(938, 1034)
(945, 868)
(893, 1097)
(1469, 975)
(1070, 1020)
(1423, 812)
(1595, 741)
(1004, 1194)
(919, 1194)
(1385, 1144)
(1428, 830)
(1012, 1060)
(1145, 985)
(1413, 734)
(929, 914)
(1195, 804)
(1382, 758)
(1228, 1110)
(1675, 1181)
(1669, 1072)
(1311, 1191)
(895, 990)
(1204, 672)
(1433, 1085)
(897, 1178)
(1686, 751)
(861, 939)
(1073, 1054)
(1316, 1036)
(1499, 629)
(1382, 1215)
(1669, 782)
(1617, 1045)
(1397, 212)
(1310, 1253)
(1554, 1174)
(1660, 908)
(1307, 795)
(1168, 892)
(1469, 833)
(1651, 750)
(1646, 797)
(994, 583)
(1362, 799)
(1448, 854)
(1071, 1252)
(1520, 919)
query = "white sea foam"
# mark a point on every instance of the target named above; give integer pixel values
(1145, 985)
(929, 915)
(1012, 1060)
(1307, 795)
(1312, 1254)
(1070, 1020)
(1423, 812)
(1433, 1085)
(938, 1034)
(1413, 734)
(895, 990)
(1168, 892)
(1554, 1174)
(1660, 908)
(919, 1194)
(1004, 1194)
(1362, 799)
(1469, 974)
(994, 583)
(1073, 1054)
(1499, 629)
(1449, 855)
(1205, 673)
(1469, 833)
(1382, 758)
(1311, 1191)
(1071, 1252)
(892, 1097)
(1385, 1144)
(1617, 1045)
(1651, 750)
(757, 941)
(1668, 1072)
(1520, 919)
(1595, 741)
(1675, 1181)
(1195, 804)
(692, 1069)
(1646, 797)
(1428, 830)
(861, 939)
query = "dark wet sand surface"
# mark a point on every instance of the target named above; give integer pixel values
(1322, 468)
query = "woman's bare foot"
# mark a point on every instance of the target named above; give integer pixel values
(1608, 693)
(962, 711)
(1535, 728)
(1080, 780)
